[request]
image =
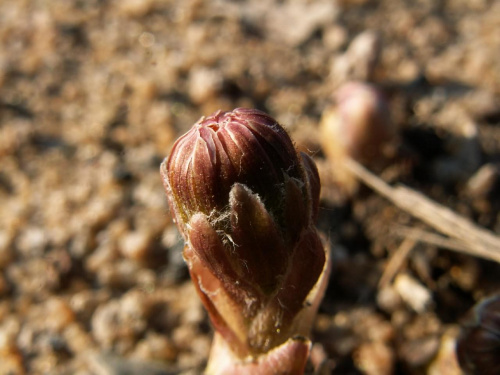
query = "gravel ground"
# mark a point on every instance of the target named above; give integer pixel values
(93, 94)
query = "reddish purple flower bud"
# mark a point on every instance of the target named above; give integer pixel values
(357, 126)
(245, 202)
(245, 146)
(478, 346)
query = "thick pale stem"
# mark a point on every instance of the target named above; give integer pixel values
(289, 358)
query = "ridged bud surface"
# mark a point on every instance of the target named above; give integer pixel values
(245, 202)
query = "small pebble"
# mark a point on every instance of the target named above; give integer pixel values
(58, 314)
(446, 360)
(157, 347)
(388, 299)
(413, 293)
(482, 183)
(358, 62)
(203, 84)
(136, 245)
(375, 358)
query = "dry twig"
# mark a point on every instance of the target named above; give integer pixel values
(396, 261)
(473, 239)
(418, 234)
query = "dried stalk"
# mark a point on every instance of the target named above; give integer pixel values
(430, 238)
(396, 262)
(476, 241)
